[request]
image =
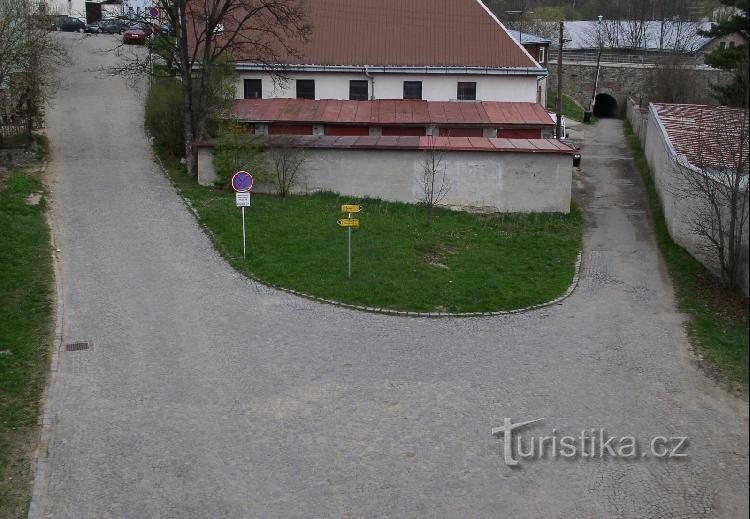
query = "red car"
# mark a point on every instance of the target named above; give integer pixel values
(137, 33)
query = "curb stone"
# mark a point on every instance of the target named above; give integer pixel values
(386, 311)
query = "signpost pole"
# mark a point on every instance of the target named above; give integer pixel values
(350, 252)
(243, 231)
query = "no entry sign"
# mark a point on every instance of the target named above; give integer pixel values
(242, 182)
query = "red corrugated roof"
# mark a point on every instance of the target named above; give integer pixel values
(709, 136)
(421, 143)
(388, 112)
(436, 33)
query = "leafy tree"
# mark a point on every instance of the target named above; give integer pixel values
(734, 59)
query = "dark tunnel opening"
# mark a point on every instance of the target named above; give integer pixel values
(605, 106)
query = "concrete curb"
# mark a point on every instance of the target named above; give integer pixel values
(384, 311)
(47, 417)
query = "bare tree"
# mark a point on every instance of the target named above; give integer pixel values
(30, 58)
(714, 184)
(212, 33)
(285, 158)
(435, 185)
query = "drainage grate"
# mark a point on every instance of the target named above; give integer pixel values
(77, 346)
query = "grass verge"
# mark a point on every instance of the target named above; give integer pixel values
(718, 319)
(461, 263)
(25, 317)
(570, 108)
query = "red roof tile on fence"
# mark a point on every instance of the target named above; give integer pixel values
(392, 111)
(709, 136)
(483, 144)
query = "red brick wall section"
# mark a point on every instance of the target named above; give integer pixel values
(347, 130)
(409, 131)
(519, 133)
(461, 132)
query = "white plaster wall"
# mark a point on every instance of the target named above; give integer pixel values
(435, 87)
(680, 208)
(487, 181)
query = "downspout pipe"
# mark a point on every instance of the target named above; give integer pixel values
(372, 83)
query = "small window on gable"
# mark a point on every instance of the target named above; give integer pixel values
(722, 44)
(412, 90)
(305, 89)
(253, 89)
(540, 57)
(358, 90)
(467, 91)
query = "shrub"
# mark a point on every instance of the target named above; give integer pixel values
(164, 116)
(236, 150)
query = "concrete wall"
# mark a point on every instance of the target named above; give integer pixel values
(435, 87)
(637, 116)
(484, 181)
(680, 207)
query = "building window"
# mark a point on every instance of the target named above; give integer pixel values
(305, 89)
(412, 90)
(358, 90)
(722, 44)
(541, 55)
(253, 89)
(731, 44)
(467, 91)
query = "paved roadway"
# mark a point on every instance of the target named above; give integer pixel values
(207, 395)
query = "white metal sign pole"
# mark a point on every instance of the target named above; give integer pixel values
(243, 231)
(350, 252)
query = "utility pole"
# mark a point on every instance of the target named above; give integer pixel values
(558, 123)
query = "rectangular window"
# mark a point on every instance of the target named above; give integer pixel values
(412, 90)
(253, 89)
(467, 91)
(358, 90)
(541, 55)
(305, 89)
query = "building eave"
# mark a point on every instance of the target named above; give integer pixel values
(394, 69)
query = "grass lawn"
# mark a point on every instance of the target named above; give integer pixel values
(462, 263)
(25, 317)
(570, 108)
(719, 320)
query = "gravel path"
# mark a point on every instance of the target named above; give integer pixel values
(207, 395)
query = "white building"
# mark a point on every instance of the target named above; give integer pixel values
(434, 50)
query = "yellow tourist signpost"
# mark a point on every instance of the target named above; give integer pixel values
(350, 223)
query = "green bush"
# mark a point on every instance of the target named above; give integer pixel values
(165, 115)
(236, 150)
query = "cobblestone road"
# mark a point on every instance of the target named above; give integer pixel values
(206, 395)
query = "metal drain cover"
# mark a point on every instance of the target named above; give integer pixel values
(77, 346)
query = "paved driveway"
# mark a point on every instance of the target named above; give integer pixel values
(207, 395)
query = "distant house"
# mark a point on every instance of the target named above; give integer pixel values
(641, 41)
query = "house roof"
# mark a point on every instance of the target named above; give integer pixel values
(526, 38)
(411, 33)
(683, 35)
(392, 112)
(708, 136)
(419, 143)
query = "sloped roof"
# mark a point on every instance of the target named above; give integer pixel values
(391, 112)
(527, 38)
(708, 136)
(405, 143)
(421, 33)
(583, 34)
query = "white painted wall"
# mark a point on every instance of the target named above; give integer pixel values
(435, 87)
(679, 206)
(486, 181)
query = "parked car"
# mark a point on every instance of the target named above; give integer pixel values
(109, 26)
(70, 24)
(137, 33)
(576, 155)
